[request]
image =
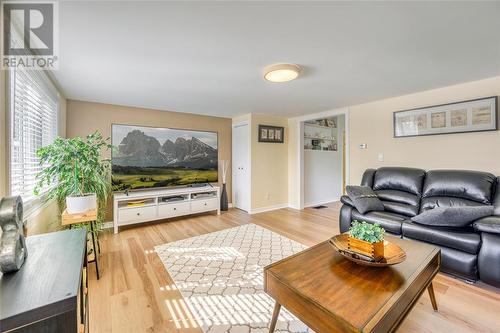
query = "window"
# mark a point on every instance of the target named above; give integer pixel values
(34, 108)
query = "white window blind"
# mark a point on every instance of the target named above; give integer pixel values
(34, 108)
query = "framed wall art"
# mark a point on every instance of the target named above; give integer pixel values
(468, 116)
(269, 133)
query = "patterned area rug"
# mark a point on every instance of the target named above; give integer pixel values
(220, 276)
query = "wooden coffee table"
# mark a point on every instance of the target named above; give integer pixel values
(332, 294)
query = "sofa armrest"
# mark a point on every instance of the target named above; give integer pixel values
(346, 200)
(489, 224)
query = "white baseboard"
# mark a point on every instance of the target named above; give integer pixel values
(268, 208)
(107, 225)
(322, 202)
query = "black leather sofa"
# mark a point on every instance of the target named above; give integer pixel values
(470, 253)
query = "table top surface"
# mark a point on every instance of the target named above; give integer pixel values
(355, 293)
(49, 277)
(88, 216)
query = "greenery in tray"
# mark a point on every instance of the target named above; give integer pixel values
(367, 232)
(75, 167)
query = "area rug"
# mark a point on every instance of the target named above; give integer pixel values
(220, 276)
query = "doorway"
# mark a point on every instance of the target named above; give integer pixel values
(241, 166)
(324, 159)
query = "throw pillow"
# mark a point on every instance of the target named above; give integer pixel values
(364, 199)
(459, 216)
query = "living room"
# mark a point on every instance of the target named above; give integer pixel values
(288, 166)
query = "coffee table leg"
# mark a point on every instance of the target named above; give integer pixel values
(276, 313)
(430, 289)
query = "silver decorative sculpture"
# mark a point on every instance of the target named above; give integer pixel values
(13, 249)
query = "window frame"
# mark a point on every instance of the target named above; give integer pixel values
(35, 205)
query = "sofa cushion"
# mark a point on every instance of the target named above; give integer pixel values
(466, 240)
(496, 197)
(399, 202)
(389, 221)
(433, 202)
(399, 208)
(403, 179)
(398, 196)
(364, 199)
(489, 224)
(471, 185)
(452, 216)
(367, 179)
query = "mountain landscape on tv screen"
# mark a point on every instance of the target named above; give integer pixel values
(142, 161)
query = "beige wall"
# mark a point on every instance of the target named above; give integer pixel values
(269, 166)
(86, 117)
(371, 123)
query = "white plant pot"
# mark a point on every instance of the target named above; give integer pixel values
(81, 204)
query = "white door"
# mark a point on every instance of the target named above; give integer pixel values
(241, 169)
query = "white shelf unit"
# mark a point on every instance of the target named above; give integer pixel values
(163, 204)
(327, 136)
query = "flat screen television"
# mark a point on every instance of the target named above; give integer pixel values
(152, 157)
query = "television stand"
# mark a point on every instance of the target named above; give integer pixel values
(150, 205)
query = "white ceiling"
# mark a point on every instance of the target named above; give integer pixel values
(207, 57)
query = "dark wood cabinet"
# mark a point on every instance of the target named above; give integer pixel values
(49, 293)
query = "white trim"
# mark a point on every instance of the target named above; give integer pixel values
(322, 202)
(268, 208)
(249, 166)
(300, 147)
(107, 225)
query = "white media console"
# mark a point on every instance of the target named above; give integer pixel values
(150, 205)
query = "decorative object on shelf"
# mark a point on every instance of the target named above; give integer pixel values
(223, 197)
(76, 174)
(475, 115)
(273, 134)
(321, 134)
(13, 251)
(393, 254)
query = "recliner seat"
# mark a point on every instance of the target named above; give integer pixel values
(472, 252)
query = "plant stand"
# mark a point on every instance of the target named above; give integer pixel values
(87, 217)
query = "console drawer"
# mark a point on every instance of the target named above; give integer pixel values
(173, 209)
(204, 204)
(136, 214)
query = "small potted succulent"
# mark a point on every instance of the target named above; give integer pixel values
(367, 239)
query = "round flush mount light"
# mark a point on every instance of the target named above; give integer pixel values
(281, 72)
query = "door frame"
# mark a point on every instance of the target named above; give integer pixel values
(300, 146)
(249, 166)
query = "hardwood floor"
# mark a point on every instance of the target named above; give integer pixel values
(136, 294)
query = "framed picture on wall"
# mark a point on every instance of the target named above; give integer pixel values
(467, 116)
(272, 134)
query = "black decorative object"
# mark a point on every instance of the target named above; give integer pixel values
(13, 249)
(223, 199)
(273, 134)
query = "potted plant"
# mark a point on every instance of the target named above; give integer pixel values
(366, 239)
(75, 173)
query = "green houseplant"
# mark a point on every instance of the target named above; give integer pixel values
(367, 239)
(76, 173)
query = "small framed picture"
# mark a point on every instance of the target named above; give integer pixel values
(271, 134)
(263, 133)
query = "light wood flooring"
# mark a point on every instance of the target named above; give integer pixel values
(136, 294)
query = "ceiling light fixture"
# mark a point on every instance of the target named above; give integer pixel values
(281, 72)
